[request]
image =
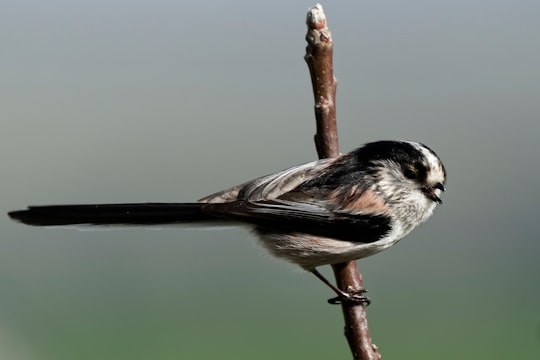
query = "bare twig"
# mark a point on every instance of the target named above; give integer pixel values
(319, 59)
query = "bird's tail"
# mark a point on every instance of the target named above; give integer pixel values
(109, 214)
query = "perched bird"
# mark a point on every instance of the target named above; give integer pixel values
(323, 212)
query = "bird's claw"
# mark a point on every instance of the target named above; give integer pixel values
(352, 297)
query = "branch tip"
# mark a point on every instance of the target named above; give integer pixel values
(316, 18)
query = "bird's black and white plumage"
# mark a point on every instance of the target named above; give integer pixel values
(324, 212)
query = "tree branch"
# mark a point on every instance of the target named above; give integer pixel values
(320, 62)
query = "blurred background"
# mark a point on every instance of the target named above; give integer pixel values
(132, 101)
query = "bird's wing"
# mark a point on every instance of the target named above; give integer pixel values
(300, 217)
(271, 186)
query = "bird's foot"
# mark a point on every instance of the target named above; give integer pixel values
(352, 297)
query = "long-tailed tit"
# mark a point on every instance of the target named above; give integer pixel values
(324, 212)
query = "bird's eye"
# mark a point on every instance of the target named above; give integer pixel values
(410, 173)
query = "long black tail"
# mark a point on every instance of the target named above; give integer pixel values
(108, 214)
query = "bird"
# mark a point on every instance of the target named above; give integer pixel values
(323, 212)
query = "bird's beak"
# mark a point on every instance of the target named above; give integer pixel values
(431, 194)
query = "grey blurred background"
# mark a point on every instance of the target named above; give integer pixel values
(131, 101)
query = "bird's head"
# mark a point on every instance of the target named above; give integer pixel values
(409, 175)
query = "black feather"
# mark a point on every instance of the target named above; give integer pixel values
(278, 216)
(107, 214)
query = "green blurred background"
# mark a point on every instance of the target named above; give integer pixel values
(132, 101)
